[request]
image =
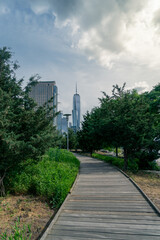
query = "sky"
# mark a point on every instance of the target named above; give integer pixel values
(94, 43)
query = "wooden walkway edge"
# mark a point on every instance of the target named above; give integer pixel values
(103, 204)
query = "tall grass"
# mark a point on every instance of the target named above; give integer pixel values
(51, 178)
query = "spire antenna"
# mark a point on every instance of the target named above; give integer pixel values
(76, 87)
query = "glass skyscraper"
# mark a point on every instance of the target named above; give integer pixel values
(76, 111)
(42, 92)
(62, 125)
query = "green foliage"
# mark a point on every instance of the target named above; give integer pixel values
(154, 166)
(125, 120)
(18, 233)
(118, 162)
(133, 165)
(51, 178)
(72, 140)
(90, 136)
(26, 131)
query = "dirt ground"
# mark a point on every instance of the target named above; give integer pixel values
(150, 184)
(29, 210)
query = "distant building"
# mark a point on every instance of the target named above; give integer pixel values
(62, 123)
(59, 121)
(76, 112)
(44, 91)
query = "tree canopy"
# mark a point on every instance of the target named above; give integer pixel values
(126, 119)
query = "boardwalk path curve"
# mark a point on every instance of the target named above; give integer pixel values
(104, 204)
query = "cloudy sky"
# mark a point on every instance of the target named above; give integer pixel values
(96, 43)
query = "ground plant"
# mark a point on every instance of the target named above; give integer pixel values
(18, 233)
(51, 177)
(118, 162)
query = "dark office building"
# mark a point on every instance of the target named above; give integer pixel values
(42, 92)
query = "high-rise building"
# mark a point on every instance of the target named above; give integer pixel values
(44, 91)
(62, 124)
(76, 112)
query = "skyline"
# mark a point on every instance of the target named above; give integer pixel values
(96, 45)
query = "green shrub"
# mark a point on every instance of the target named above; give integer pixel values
(119, 162)
(133, 165)
(154, 166)
(51, 177)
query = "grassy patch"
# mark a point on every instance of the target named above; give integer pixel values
(18, 233)
(119, 162)
(51, 178)
(30, 210)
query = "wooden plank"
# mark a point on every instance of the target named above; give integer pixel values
(109, 220)
(121, 213)
(113, 237)
(70, 235)
(109, 225)
(105, 230)
(136, 217)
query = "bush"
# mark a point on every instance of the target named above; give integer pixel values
(133, 165)
(119, 162)
(154, 166)
(51, 178)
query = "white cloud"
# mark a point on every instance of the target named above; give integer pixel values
(140, 87)
(110, 31)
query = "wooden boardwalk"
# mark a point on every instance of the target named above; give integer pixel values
(104, 204)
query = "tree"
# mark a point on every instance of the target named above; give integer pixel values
(25, 131)
(126, 119)
(132, 124)
(90, 136)
(72, 140)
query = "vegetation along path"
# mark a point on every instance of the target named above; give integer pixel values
(104, 204)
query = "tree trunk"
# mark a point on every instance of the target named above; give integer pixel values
(116, 151)
(125, 159)
(91, 151)
(2, 188)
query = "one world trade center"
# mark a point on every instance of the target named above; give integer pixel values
(76, 111)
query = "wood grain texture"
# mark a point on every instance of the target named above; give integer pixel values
(104, 204)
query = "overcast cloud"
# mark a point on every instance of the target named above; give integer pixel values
(96, 43)
(110, 31)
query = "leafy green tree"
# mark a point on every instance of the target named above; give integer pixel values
(90, 136)
(126, 119)
(72, 140)
(130, 123)
(26, 131)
